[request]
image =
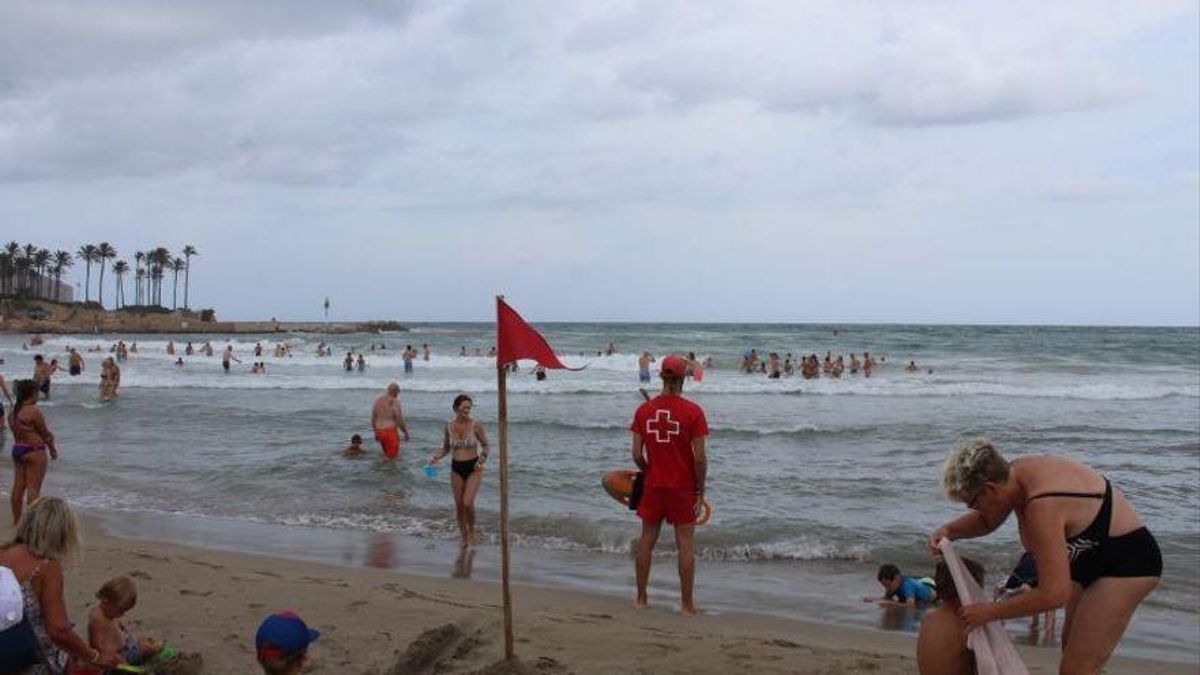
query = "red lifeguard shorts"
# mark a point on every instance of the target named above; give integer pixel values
(677, 505)
(389, 440)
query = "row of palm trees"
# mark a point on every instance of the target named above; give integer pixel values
(27, 270)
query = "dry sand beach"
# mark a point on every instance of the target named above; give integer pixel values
(376, 621)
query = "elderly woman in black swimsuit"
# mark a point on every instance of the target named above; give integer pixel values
(466, 442)
(1092, 551)
(31, 440)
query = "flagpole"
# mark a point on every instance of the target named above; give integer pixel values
(502, 413)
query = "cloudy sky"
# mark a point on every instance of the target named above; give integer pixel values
(892, 161)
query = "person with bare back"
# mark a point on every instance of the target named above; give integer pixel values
(388, 422)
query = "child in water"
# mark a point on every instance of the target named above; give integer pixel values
(355, 448)
(106, 631)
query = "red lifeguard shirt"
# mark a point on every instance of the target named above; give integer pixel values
(667, 425)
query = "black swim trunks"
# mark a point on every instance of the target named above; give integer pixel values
(1095, 554)
(75, 370)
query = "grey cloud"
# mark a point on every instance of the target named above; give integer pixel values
(42, 42)
(934, 75)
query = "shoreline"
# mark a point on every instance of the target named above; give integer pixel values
(210, 601)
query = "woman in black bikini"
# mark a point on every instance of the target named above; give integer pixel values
(1093, 553)
(31, 440)
(466, 442)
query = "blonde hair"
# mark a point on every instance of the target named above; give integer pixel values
(118, 591)
(970, 466)
(49, 529)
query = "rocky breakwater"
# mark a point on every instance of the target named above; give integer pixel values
(37, 316)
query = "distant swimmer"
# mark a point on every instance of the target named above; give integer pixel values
(179, 362)
(839, 366)
(74, 362)
(361, 363)
(190, 350)
(911, 367)
(854, 364)
(110, 379)
(355, 448)
(387, 420)
(41, 375)
(170, 348)
(348, 362)
(668, 445)
(133, 348)
(644, 362)
(208, 349)
(539, 372)
(226, 357)
(427, 351)
(868, 364)
(408, 356)
(462, 351)
(465, 440)
(31, 441)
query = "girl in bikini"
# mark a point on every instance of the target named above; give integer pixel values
(1092, 552)
(465, 440)
(31, 440)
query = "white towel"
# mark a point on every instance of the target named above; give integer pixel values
(994, 651)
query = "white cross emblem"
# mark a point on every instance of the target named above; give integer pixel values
(662, 426)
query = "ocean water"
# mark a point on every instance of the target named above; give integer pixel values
(814, 483)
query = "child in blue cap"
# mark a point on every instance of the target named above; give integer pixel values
(282, 643)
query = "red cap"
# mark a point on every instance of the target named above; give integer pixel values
(672, 366)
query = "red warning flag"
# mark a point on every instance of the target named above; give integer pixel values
(516, 339)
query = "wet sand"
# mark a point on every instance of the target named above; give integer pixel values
(384, 621)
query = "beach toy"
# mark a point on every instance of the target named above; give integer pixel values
(160, 658)
(430, 471)
(621, 486)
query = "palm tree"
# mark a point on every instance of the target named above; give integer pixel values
(162, 260)
(41, 260)
(177, 266)
(21, 265)
(62, 260)
(188, 252)
(120, 269)
(87, 253)
(11, 249)
(104, 253)
(29, 251)
(5, 271)
(137, 296)
(138, 277)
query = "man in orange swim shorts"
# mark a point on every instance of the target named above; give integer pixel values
(388, 422)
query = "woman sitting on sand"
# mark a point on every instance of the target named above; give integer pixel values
(1109, 564)
(31, 440)
(46, 536)
(464, 437)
